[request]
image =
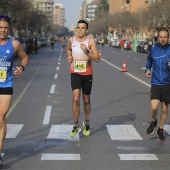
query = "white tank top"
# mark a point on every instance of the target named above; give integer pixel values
(80, 57)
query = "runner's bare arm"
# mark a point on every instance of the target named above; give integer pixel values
(20, 52)
(94, 55)
(23, 56)
(69, 51)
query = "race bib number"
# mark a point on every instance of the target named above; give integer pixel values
(79, 66)
(3, 74)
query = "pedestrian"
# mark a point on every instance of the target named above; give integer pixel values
(158, 61)
(82, 49)
(52, 44)
(149, 45)
(102, 41)
(35, 45)
(8, 48)
(64, 44)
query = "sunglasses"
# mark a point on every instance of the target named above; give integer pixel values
(4, 17)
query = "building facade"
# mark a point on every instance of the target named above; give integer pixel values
(131, 6)
(45, 7)
(59, 14)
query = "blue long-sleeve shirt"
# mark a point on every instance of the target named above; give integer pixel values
(157, 62)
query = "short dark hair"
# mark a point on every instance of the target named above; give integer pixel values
(163, 29)
(83, 21)
(4, 18)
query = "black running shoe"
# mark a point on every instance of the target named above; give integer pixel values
(151, 127)
(160, 133)
(1, 163)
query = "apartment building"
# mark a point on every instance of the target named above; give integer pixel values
(45, 7)
(59, 14)
(131, 6)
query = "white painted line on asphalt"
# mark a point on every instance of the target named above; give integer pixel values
(13, 130)
(55, 76)
(143, 68)
(129, 56)
(52, 88)
(123, 132)
(136, 58)
(62, 132)
(46, 119)
(139, 157)
(57, 68)
(131, 148)
(2, 154)
(59, 59)
(58, 63)
(52, 156)
(127, 73)
(167, 128)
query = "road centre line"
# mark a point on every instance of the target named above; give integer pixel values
(55, 76)
(52, 88)
(58, 63)
(126, 73)
(57, 68)
(46, 119)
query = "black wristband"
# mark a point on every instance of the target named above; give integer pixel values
(23, 68)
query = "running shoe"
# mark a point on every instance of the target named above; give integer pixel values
(151, 127)
(1, 163)
(160, 133)
(86, 130)
(75, 131)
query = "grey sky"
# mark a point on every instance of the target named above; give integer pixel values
(71, 10)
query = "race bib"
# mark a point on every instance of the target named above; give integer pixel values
(79, 66)
(3, 74)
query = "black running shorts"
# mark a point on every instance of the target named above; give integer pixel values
(83, 82)
(6, 91)
(161, 93)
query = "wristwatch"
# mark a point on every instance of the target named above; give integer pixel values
(87, 52)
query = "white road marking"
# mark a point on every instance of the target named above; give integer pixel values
(58, 63)
(127, 73)
(167, 128)
(123, 132)
(131, 148)
(138, 157)
(55, 76)
(136, 58)
(59, 59)
(62, 132)
(13, 130)
(52, 156)
(52, 88)
(143, 68)
(57, 68)
(46, 119)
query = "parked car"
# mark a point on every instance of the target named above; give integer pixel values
(128, 45)
(42, 42)
(142, 48)
(98, 40)
(114, 43)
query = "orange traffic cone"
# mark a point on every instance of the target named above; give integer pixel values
(124, 69)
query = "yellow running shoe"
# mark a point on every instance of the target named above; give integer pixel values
(86, 131)
(75, 131)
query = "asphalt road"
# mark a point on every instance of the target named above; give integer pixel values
(40, 118)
